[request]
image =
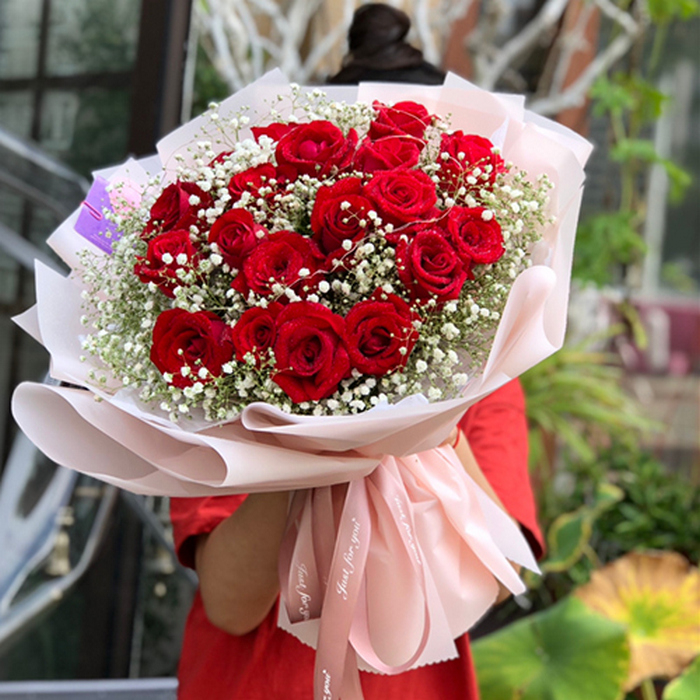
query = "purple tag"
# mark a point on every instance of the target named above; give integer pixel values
(92, 223)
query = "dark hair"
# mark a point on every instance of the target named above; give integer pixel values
(378, 50)
(375, 26)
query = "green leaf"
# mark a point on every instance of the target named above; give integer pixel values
(649, 100)
(674, 275)
(569, 535)
(627, 150)
(610, 97)
(571, 435)
(679, 178)
(686, 686)
(603, 241)
(606, 496)
(566, 539)
(662, 11)
(630, 95)
(563, 653)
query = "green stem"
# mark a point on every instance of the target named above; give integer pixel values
(657, 46)
(618, 127)
(648, 690)
(627, 193)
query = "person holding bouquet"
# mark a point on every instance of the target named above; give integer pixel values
(297, 300)
(233, 647)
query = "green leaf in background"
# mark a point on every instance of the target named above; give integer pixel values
(606, 496)
(569, 535)
(665, 10)
(563, 653)
(610, 96)
(603, 241)
(567, 539)
(649, 101)
(634, 149)
(674, 275)
(686, 686)
(660, 509)
(624, 93)
(679, 179)
(574, 395)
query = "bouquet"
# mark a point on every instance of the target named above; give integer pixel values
(353, 257)
(299, 291)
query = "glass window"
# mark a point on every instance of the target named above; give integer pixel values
(58, 117)
(19, 38)
(86, 129)
(92, 36)
(16, 111)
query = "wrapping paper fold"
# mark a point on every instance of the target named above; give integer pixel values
(421, 536)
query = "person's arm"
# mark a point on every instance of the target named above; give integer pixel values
(237, 563)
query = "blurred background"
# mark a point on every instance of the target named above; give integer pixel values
(89, 587)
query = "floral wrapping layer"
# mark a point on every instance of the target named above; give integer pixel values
(348, 257)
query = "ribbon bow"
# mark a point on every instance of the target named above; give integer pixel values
(386, 572)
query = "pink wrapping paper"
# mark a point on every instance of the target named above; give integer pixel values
(421, 535)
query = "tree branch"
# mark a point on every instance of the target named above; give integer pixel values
(569, 44)
(257, 64)
(222, 59)
(325, 46)
(575, 94)
(522, 42)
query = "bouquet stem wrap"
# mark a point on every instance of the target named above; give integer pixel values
(392, 551)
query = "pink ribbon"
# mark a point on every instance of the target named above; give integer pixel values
(395, 516)
(298, 569)
(360, 570)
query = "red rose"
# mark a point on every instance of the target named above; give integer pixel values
(380, 333)
(476, 240)
(402, 196)
(403, 118)
(265, 175)
(255, 332)
(331, 223)
(317, 148)
(388, 153)
(236, 234)
(279, 259)
(285, 174)
(429, 266)
(251, 180)
(195, 340)
(220, 158)
(163, 260)
(310, 353)
(274, 131)
(475, 151)
(172, 210)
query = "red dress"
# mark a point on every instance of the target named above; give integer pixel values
(271, 664)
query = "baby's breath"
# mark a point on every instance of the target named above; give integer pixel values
(453, 337)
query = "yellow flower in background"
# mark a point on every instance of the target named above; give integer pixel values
(657, 596)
